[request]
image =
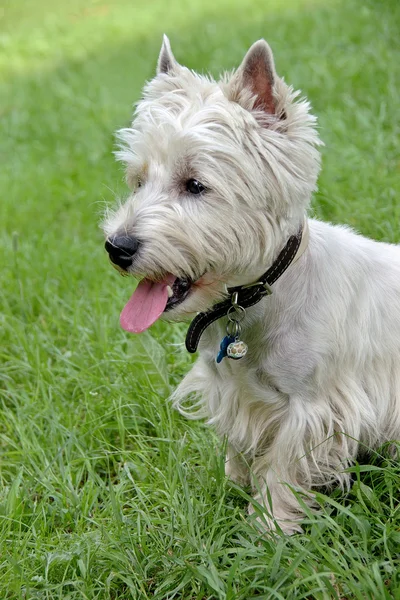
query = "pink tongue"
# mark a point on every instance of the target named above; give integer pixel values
(147, 303)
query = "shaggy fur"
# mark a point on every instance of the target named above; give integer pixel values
(322, 373)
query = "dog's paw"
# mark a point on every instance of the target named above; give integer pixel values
(268, 523)
(237, 471)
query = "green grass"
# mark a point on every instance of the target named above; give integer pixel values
(106, 492)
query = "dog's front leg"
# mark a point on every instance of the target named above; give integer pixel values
(275, 491)
(236, 467)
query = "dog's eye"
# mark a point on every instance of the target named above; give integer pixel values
(194, 187)
(139, 182)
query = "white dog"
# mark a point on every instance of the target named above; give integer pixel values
(222, 175)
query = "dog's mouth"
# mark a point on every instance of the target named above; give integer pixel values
(151, 299)
(178, 292)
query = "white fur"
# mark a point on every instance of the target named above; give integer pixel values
(322, 374)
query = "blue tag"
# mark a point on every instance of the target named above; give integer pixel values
(228, 339)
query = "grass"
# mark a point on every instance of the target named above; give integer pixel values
(105, 492)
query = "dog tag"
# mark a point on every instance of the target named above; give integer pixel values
(236, 350)
(228, 339)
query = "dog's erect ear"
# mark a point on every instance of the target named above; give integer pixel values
(257, 73)
(166, 60)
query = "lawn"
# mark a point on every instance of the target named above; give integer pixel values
(105, 491)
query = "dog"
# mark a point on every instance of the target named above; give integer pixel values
(297, 321)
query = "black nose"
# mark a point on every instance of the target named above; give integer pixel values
(122, 249)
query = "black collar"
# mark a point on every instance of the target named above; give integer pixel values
(244, 295)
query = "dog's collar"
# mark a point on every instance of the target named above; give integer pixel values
(250, 294)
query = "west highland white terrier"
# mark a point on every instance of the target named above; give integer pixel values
(297, 322)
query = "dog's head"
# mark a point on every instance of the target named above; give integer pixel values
(221, 174)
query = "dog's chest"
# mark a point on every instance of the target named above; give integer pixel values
(240, 401)
(242, 396)
(276, 362)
